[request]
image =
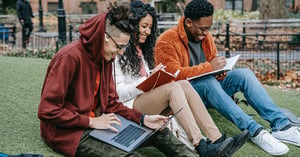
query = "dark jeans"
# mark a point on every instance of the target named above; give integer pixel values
(164, 141)
(26, 32)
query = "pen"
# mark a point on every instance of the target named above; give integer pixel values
(162, 67)
(150, 71)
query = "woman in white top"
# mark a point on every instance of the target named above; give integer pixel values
(133, 67)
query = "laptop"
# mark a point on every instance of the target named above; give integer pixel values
(130, 134)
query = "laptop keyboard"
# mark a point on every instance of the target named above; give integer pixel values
(128, 136)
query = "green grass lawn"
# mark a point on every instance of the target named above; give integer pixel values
(20, 86)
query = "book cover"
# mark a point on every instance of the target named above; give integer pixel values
(230, 63)
(157, 79)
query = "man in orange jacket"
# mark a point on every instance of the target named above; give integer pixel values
(190, 48)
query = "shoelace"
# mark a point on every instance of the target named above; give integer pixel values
(266, 140)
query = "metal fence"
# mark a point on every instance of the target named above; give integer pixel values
(271, 48)
(12, 42)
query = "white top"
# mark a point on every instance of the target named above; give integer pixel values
(126, 84)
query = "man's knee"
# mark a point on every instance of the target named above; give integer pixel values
(243, 73)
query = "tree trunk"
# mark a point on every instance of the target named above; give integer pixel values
(272, 9)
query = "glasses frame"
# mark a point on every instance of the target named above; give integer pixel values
(120, 47)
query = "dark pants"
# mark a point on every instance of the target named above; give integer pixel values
(164, 141)
(26, 31)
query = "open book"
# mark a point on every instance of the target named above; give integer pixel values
(157, 79)
(230, 62)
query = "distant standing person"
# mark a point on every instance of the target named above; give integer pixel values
(24, 13)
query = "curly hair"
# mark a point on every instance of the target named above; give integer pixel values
(197, 9)
(119, 17)
(129, 61)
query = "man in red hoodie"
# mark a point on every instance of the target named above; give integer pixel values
(79, 95)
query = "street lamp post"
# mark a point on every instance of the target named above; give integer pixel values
(41, 16)
(61, 23)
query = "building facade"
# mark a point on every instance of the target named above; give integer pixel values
(73, 6)
(100, 6)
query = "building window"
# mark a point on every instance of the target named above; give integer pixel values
(233, 4)
(52, 7)
(88, 7)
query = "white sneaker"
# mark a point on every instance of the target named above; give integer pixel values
(269, 144)
(291, 135)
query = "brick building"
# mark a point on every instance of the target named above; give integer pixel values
(72, 6)
(99, 6)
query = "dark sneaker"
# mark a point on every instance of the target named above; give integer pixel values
(239, 141)
(208, 149)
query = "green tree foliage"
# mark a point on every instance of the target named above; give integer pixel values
(172, 6)
(8, 6)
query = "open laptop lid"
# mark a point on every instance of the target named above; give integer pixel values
(109, 135)
(143, 133)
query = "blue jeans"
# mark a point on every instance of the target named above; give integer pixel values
(217, 94)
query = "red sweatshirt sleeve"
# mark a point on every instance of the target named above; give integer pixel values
(53, 108)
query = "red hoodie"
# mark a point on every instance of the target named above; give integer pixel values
(67, 93)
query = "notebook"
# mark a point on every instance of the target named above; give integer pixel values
(230, 63)
(130, 134)
(157, 79)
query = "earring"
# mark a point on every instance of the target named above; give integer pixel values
(105, 37)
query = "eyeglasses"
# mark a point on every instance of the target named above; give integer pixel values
(120, 47)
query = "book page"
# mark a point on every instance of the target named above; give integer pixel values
(230, 62)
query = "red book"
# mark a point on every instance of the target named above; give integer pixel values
(157, 79)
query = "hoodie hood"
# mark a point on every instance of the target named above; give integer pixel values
(92, 36)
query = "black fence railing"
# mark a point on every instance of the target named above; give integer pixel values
(8, 31)
(271, 48)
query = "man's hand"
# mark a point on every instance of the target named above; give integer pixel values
(154, 121)
(218, 63)
(221, 76)
(105, 121)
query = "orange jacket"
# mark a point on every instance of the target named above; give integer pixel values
(171, 49)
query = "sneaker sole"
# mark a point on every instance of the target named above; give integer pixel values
(243, 138)
(274, 154)
(287, 141)
(278, 154)
(225, 147)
